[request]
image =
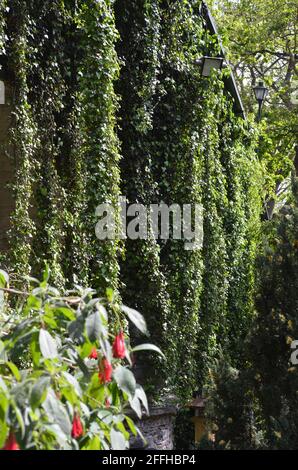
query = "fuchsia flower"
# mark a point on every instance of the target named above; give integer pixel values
(93, 354)
(77, 427)
(119, 346)
(11, 443)
(105, 371)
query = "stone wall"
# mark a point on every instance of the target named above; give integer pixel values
(158, 429)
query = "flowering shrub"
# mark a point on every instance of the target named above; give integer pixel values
(65, 378)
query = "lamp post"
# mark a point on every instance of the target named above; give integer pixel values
(260, 92)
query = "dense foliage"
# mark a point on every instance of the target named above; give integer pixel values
(257, 406)
(261, 40)
(65, 378)
(181, 143)
(96, 80)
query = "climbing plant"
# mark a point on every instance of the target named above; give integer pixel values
(23, 137)
(139, 27)
(178, 170)
(98, 72)
(3, 8)
(187, 148)
(109, 100)
(62, 58)
(256, 406)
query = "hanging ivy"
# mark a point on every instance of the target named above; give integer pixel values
(109, 100)
(48, 92)
(3, 11)
(143, 281)
(23, 138)
(98, 71)
(178, 171)
(65, 108)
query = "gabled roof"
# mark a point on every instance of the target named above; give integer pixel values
(230, 82)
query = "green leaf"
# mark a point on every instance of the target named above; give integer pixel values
(120, 426)
(14, 370)
(67, 312)
(46, 275)
(38, 392)
(95, 389)
(3, 433)
(49, 320)
(4, 278)
(148, 347)
(141, 395)
(3, 355)
(76, 329)
(104, 414)
(57, 413)
(81, 364)
(136, 318)
(118, 441)
(136, 406)
(93, 326)
(4, 404)
(3, 385)
(93, 444)
(85, 410)
(73, 382)
(34, 348)
(125, 380)
(106, 348)
(19, 417)
(47, 345)
(33, 303)
(59, 434)
(131, 425)
(110, 294)
(103, 312)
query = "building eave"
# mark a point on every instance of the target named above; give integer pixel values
(230, 82)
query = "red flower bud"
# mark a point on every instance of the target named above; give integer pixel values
(108, 403)
(105, 371)
(93, 354)
(11, 443)
(77, 427)
(119, 346)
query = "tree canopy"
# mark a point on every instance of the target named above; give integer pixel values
(261, 37)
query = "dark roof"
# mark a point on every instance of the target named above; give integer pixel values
(230, 82)
(198, 402)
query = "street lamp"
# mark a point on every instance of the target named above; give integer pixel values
(260, 92)
(209, 63)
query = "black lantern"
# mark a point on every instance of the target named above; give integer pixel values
(260, 92)
(209, 63)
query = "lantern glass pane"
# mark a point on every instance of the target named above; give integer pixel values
(260, 92)
(210, 63)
